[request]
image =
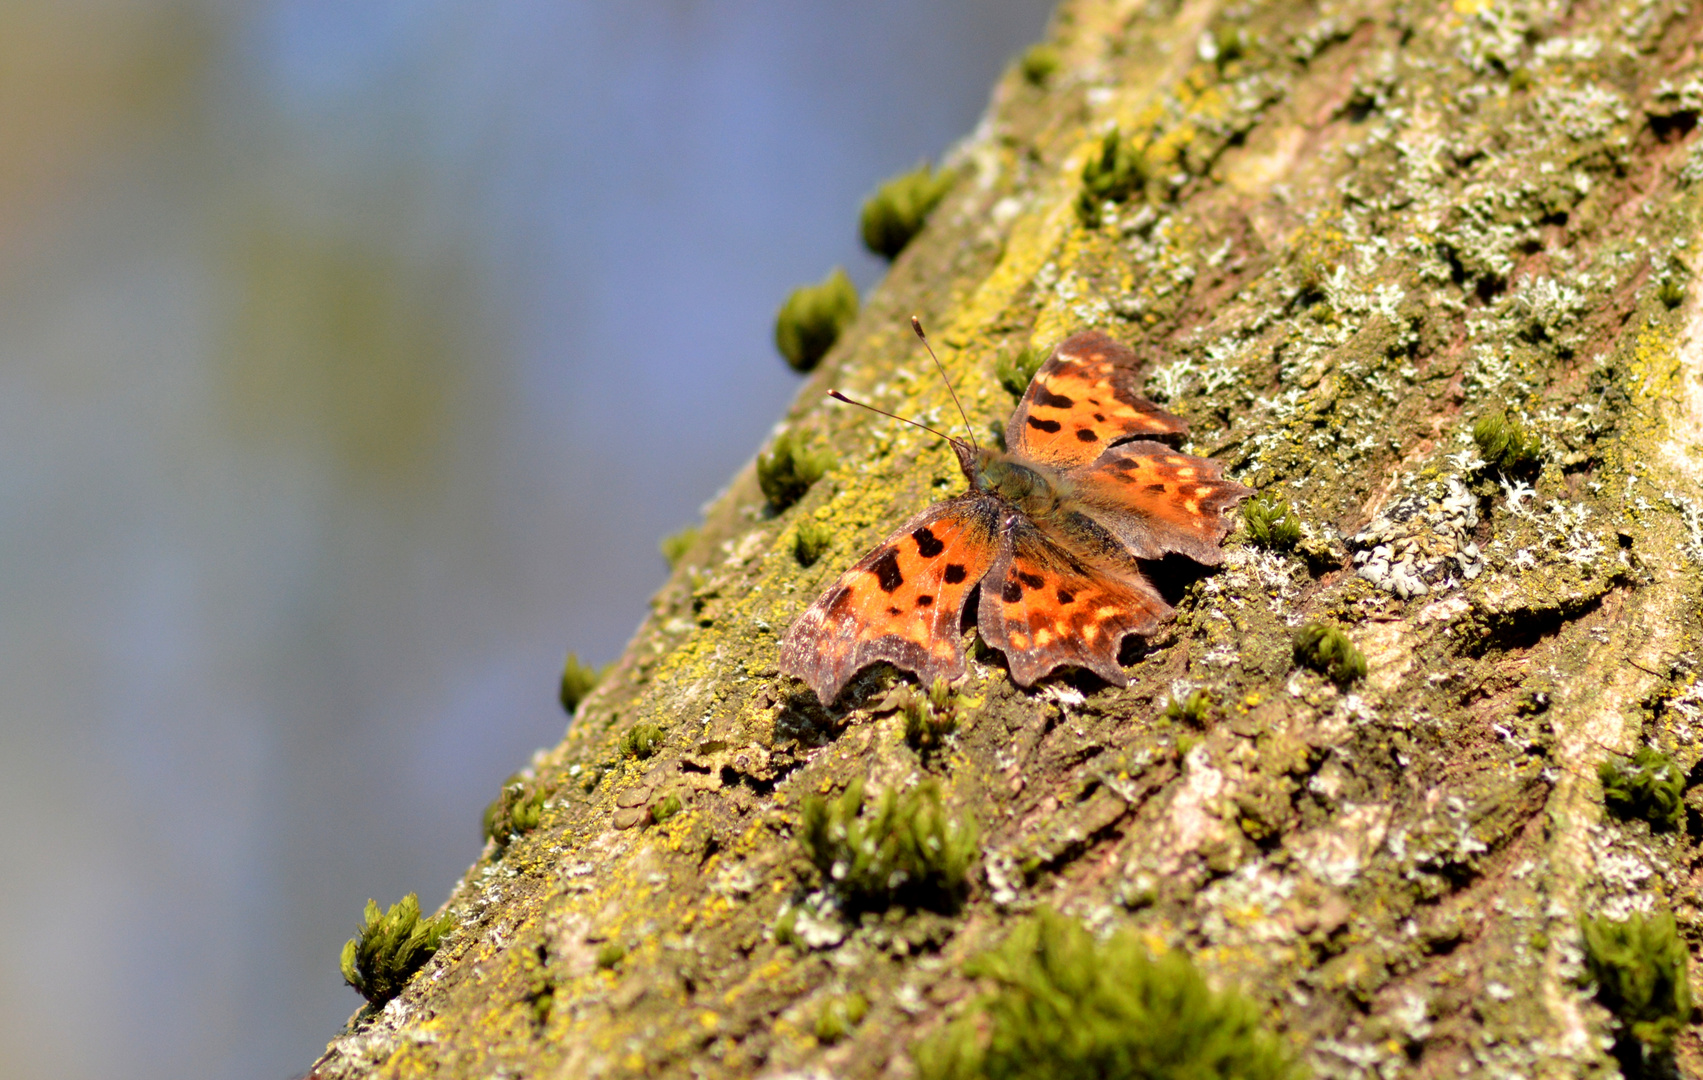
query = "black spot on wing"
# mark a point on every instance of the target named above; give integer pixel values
(954, 573)
(928, 545)
(1034, 581)
(1048, 426)
(925, 600)
(1046, 397)
(1157, 489)
(1065, 596)
(894, 611)
(1012, 592)
(886, 571)
(1086, 435)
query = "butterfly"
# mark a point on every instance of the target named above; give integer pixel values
(1052, 530)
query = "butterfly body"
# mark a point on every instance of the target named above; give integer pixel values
(1053, 530)
(1031, 489)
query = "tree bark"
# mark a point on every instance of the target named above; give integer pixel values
(1362, 228)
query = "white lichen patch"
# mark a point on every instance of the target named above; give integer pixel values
(1626, 870)
(1336, 853)
(1583, 112)
(1247, 908)
(1555, 534)
(1421, 543)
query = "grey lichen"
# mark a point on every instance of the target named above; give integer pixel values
(900, 207)
(813, 318)
(906, 849)
(391, 947)
(1068, 1007)
(789, 470)
(1422, 542)
(1641, 970)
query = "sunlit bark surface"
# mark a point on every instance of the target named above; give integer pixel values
(1362, 228)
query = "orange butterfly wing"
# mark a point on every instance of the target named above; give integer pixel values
(1156, 500)
(1083, 399)
(1046, 607)
(902, 603)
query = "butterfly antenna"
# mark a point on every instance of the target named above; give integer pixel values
(837, 396)
(916, 324)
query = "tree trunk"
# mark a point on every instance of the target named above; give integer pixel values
(1356, 230)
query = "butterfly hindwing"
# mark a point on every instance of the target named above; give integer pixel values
(1157, 501)
(1083, 399)
(901, 603)
(1045, 607)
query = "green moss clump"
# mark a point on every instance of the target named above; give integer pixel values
(839, 1015)
(929, 718)
(665, 809)
(900, 207)
(1649, 787)
(1229, 44)
(1117, 173)
(610, 955)
(390, 947)
(1272, 522)
(1328, 651)
(1068, 1007)
(578, 681)
(641, 740)
(811, 542)
(1016, 372)
(1191, 710)
(1504, 443)
(518, 809)
(813, 318)
(1640, 967)
(788, 470)
(1039, 63)
(675, 546)
(905, 851)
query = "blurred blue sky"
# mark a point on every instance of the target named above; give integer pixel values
(353, 358)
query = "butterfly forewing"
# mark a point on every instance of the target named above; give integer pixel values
(902, 603)
(1158, 501)
(1083, 399)
(1045, 607)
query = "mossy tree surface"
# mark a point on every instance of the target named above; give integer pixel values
(1365, 226)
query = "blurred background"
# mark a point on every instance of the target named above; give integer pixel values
(353, 358)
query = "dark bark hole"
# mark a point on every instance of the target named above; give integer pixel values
(1674, 126)
(1173, 575)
